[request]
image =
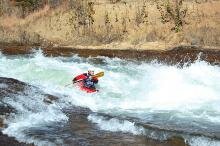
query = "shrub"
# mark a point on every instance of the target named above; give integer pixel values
(28, 6)
(141, 15)
(172, 11)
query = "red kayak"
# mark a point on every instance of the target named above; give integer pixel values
(81, 86)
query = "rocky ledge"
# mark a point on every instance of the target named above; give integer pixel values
(80, 130)
(180, 54)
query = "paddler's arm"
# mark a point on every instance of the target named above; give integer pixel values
(95, 80)
(74, 80)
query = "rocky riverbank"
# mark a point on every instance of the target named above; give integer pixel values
(177, 55)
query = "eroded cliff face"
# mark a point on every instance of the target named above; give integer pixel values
(122, 24)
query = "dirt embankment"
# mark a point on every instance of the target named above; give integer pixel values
(113, 24)
(181, 55)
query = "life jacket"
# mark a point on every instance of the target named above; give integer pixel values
(89, 83)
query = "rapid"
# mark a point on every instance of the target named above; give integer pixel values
(142, 98)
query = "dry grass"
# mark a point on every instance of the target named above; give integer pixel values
(13, 21)
(116, 24)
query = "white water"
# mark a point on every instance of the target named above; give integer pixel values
(156, 93)
(116, 125)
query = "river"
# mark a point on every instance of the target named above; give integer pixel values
(151, 99)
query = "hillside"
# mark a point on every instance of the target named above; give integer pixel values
(113, 24)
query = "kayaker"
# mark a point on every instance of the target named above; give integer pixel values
(88, 80)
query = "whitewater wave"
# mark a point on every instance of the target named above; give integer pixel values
(168, 96)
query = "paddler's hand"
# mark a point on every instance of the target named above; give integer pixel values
(74, 81)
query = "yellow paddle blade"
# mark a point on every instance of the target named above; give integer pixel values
(98, 75)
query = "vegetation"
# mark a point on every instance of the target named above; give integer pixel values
(104, 22)
(114, 1)
(172, 11)
(141, 15)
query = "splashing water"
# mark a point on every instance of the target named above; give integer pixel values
(171, 97)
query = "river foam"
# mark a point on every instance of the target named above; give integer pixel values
(181, 98)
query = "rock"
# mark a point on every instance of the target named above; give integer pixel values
(1, 123)
(10, 141)
(11, 88)
(176, 141)
(50, 98)
(176, 55)
(90, 134)
(15, 87)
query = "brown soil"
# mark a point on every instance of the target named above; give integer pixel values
(126, 24)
